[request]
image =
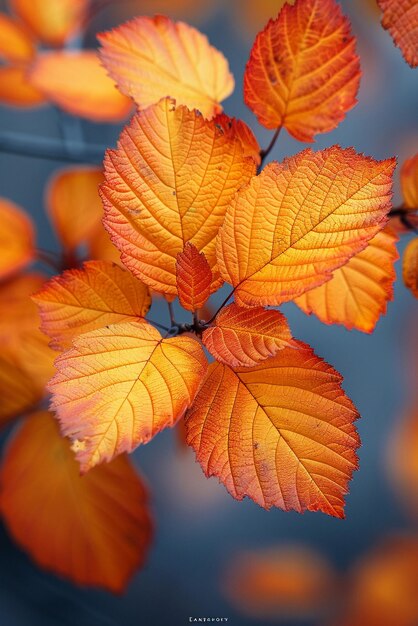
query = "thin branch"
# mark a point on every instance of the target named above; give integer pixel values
(49, 258)
(171, 313)
(264, 153)
(405, 214)
(158, 325)
(50, 149)
(220, 308)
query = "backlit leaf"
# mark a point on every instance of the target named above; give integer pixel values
(17, 391)
(410, 266)
(280, 433)
(94, 530)
(76, 81)
(244, 337)
(52, 21)
(17, 238)
(400, 18)
(194, 278)
(74, 204)
(234, 127)
(119, 386)
(170, 181)
(358, 292)
(409, 182)
(16, 45)
(15, 89)
(296, 222)
(303, 72)
(95, 296)
(151, 58)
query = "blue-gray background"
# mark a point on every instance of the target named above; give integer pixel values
(198, 525)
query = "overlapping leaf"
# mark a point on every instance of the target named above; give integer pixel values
(169, 182)
(17, 238)
(151, 58)
(297, 222)
(303, 72)
(76, 81)
(81, 300)
(16, 45)
(94, 530)
(15, 90)
(358, 292)
(234, 127)
(244, 337)
(119, 386)
(194, 278)
(280, 433)
(410, 266)
(409, 182)
(400, 17)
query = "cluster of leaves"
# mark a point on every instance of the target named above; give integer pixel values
(189, 206)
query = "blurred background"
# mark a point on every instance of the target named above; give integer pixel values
(213, 556)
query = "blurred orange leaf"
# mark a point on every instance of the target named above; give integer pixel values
(281, 433)
(298, 221)
(119, 386)
(239, 129)
(17, 390)
(51, 21)
(410, 266)
(151, 58)
(358, 292)
(400, 18)
(244, 337)
(81, 300)
(15, 88)
(16, 45)
(409, 182)
(101, 247)
(194, 278)
(303, 72)
(94, 530)
(17, 238)
(76, 81)
(170, 181)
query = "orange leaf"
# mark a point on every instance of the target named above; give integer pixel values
(169, 182)
(17, 391)
(101, 247)
(15, 44)
(239, 129)
(74, 204)
(358, 292)
(75, 81)
(17, 238)
(410, 266)
(81, 300)
(400, 18)
(297, 222)
(150, 58)
(52, 21)
(119, 386)
(94, 530)
(15, 89)
(303, 72)
(280, 433)
(194, 278)
(244, 337)
(403, 460)
(409, 182)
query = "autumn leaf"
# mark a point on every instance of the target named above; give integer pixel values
(358, 292)
(169, 182)
(409, 182)
(17, 239)
(410, 266)
(234, 127)
(76, 82)
(94, 530)
(16, 46)
(296, 222)
(194, 278)
(244, 337)
(403, 459)
(15, 89)
(400, 18)
(303, 72)
(151, 58)
(51, 21)
(17, 389)
(74, 204)
(100, 246)
(81, 300)
(280, 433)
(119, 386)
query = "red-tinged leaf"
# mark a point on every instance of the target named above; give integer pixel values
(17, 239)
(94, 530)
(303, 72)
(119, 386)
(81, 300)
(16, 46)
(281, 433)
(16, 90)
(153, 57)
(410, 266)
(237, 128)
(194, 278)
(77, 82)
(400, 18)
(244, 337)
(358, 293)
(409, 182)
